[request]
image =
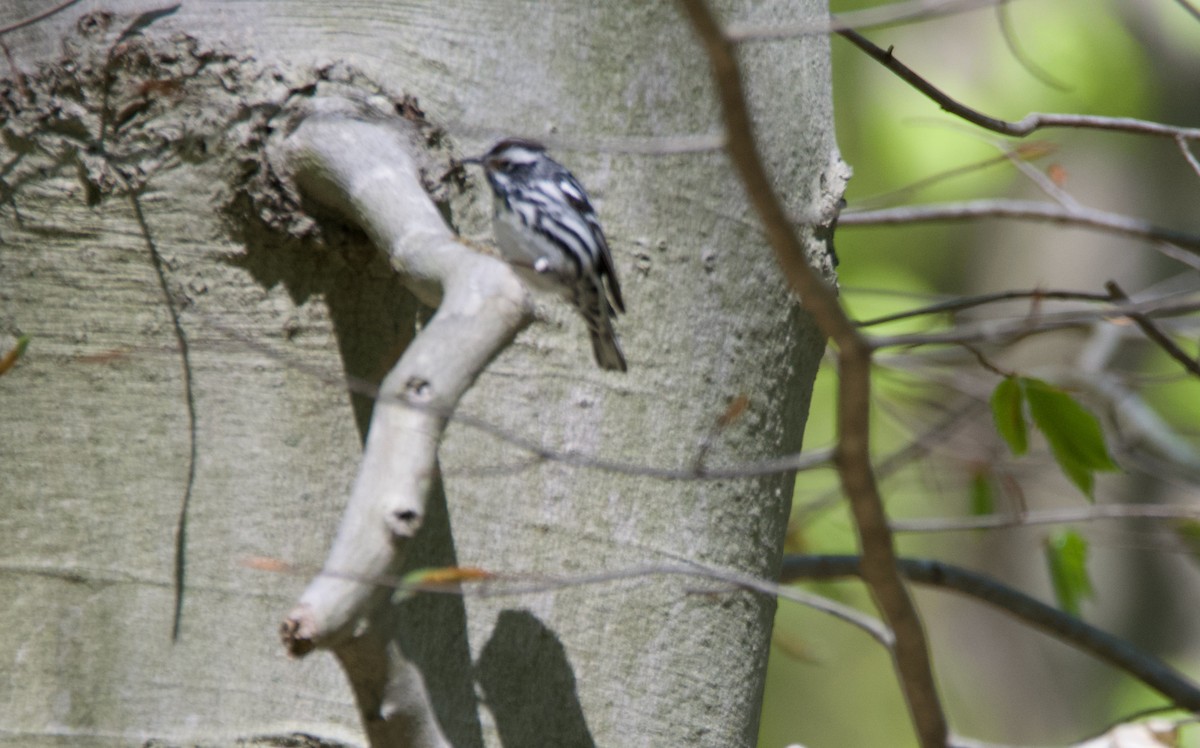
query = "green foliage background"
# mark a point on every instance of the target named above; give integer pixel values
(829, 685)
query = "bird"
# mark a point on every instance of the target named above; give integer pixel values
(546, 228)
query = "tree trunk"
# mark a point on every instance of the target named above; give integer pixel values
(186, 324)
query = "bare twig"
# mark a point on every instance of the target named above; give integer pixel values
(189, 402)
(1039, 178)
(994, 330)
(1091, 513)
(813, 458)
(37, 18)
(1014, 48)
(1152, 331)
(518, 585)
(1187, 154)
(1028, 210)
(884, 15)
(648, 146)
(911, 653)
(970, 302)
(476, 582)
(537, 452)
(1028, 124)
(1113, 650)
(891, 196)
(1187, 6)
(986, 363)
(923, 444)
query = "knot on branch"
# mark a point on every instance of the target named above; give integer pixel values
(418, 390)
(404, 523)
(296, 633)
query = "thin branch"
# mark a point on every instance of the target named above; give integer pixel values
(1113, 650)
(648, 145)
(1155, 333)
(1028, 210)
(884, 15)
(1092, 513)
(995, 330)
(970, 302)
(986, 363)
(813, 458)
(1029, 123)
(536, 451)
(528, 585)
(922, 445)
(891, 196)
(853, 456)
(1009, 35)
(37, 18)
(1039, 178)
(1147, 441)
(1187, 6)
(475, 582)
(189, 401)
(1187, 154)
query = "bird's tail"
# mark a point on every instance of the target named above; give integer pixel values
(605, 346)
(598, 314)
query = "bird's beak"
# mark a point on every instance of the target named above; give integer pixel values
(472, 160)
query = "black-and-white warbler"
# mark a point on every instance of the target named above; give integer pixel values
(547, 229)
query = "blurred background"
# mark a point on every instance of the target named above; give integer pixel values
(831, 686)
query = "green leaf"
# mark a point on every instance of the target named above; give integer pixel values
(1074, 434)
(982, 498)
(1007, 411)
(1066, 556)
(1083, 478)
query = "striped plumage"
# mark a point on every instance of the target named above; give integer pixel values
(547, 229)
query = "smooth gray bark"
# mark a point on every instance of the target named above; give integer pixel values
(94, 454)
